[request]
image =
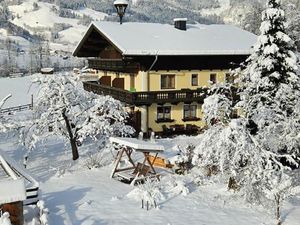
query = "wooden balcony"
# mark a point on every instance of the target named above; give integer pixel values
(147, 98)
(113, 65)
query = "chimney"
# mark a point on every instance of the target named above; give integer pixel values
(180, 23)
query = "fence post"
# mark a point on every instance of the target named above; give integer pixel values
(32, 101)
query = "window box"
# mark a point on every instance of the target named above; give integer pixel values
(164, 120)
(191, 119)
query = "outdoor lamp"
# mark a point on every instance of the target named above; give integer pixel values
(121, 6)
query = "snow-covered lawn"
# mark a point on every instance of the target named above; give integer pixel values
(75, 195)
(21, 89)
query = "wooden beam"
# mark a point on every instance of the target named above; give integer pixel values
(119, 157)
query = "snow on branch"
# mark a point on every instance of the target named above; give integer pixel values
(2, 102)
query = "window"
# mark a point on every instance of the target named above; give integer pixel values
(194, 79)
(167, 82)
(213, 78)
(189, 112)
(163, 113)
(229, 78)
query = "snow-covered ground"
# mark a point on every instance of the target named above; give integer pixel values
(81, 196)
(21, 89)
(76, 195)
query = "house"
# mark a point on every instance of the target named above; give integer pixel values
(159, 71)
(17, 188)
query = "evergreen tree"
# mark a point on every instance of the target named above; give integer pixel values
(270, 84)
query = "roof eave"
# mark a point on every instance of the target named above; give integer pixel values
(223, 53)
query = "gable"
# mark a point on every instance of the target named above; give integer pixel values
(95, 44)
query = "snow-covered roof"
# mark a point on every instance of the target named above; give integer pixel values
(138, 145)
(15, 172)
(133, 38)
(12, 191)
(121, 2)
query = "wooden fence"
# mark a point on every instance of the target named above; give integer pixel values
(18, 108)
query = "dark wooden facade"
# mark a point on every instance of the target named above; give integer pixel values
(15, 211)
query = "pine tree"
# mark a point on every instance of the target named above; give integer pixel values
(270, 85)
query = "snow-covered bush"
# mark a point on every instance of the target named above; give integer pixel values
(149, 193)
(75, 114)
(176, 185)
(43, 213)
(184, 158)
(94, 160)
(4, 219)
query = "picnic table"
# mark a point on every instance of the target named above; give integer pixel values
(136, 171)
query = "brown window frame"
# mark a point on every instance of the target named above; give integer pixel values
(168, 81)
(187, 112)
(194, 79)
(166, 112)
(213, 81)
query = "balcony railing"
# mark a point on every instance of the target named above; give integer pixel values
(147, 98)
(113, 65)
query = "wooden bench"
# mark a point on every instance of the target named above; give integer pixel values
(159, 162)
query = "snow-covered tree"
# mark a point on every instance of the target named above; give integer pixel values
(264, 144)
(293, 21)
(65, 109)
(218, 105)
(5, 124)
(271, 86)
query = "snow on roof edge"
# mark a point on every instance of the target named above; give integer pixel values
(196, 53)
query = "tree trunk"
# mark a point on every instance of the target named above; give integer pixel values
(278, 217)
(71, 137)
